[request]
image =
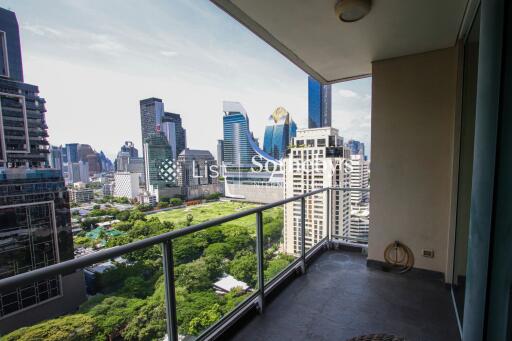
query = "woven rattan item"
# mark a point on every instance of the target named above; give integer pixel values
(377, 337)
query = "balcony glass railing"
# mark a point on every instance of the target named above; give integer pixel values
(196, 280)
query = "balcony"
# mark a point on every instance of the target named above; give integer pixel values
(340, 298)
(324, 290)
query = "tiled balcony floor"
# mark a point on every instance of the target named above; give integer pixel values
(340, 297)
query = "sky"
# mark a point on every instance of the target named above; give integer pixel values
(93, 60)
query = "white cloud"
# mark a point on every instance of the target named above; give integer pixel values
(105, 43)
(41, 30)
(169, 53)
(348, 93)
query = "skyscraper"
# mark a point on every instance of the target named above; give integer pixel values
(155, 119)
(319, 104)
(356, 147)
(176, 135)
(220, 151)
(151, 112)
(56, 160)
(160, 170)
(239, 144)
(129, 147)
(35, 220)
(317, 163)
(278, 133)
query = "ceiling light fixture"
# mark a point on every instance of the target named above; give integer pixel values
(352, 10)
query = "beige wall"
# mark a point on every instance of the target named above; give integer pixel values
(413, 121)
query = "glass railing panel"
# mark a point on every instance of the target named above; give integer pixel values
(350, 216)
(318, 215)
(122, 298)
(280, 247)
(215, 271)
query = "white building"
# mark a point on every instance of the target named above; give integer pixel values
(316, 160)
(359, 178)
(80, 195)
(126, 185)
(359, 223)
(108, 189)
(146, 197)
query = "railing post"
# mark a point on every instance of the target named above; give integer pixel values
(260, 255)
(303, 232)
(170, 294)
(329, 216)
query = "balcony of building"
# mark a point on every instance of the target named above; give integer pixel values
(440, 185)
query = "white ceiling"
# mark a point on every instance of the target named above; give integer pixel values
(310, 35)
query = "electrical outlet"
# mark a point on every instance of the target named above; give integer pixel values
(429, 253)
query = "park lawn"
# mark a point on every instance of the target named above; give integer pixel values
(213, 210)
(209, 211)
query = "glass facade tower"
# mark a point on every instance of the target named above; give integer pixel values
(35, 220)
(278, 133)
(239, 144)
(319, 104)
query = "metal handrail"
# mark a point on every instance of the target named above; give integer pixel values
(165, 240)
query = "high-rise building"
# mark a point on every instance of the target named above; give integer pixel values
(129, 147)
(126, 185)
(239, 143)
(278, 133)
(122, 161)
(319, 104)
(35, 218)
(195, 167)
(106, 164)
(56, 160)
(155, 119)
(316, 161)
(136, 165)
(359, 178)
(151, 112)
(220, 151)
(176, 135)
(128, 161)
(72, 154)
(241, 155)
(356, 147)
(359, 223)
(159, 168)
(81, 195)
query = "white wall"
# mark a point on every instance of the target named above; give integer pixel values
(413, 123)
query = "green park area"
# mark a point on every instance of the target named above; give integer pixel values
(129, 304)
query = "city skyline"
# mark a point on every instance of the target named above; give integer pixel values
(175, 60)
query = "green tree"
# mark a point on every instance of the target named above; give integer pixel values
(76, 327)
(243, 268)
(123, 215)
(194, 276)
(190, 218)
(113, 314)
(149, 323)
(137, 214)
(135, 286)
(218, 250)
(205, 319)
(275, 266)
(175, 202)
(162, 204)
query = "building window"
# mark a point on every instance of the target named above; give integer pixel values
(4, 60)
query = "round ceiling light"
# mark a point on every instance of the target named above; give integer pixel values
(352, 10)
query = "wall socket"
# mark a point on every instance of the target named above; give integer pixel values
(429, 253)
